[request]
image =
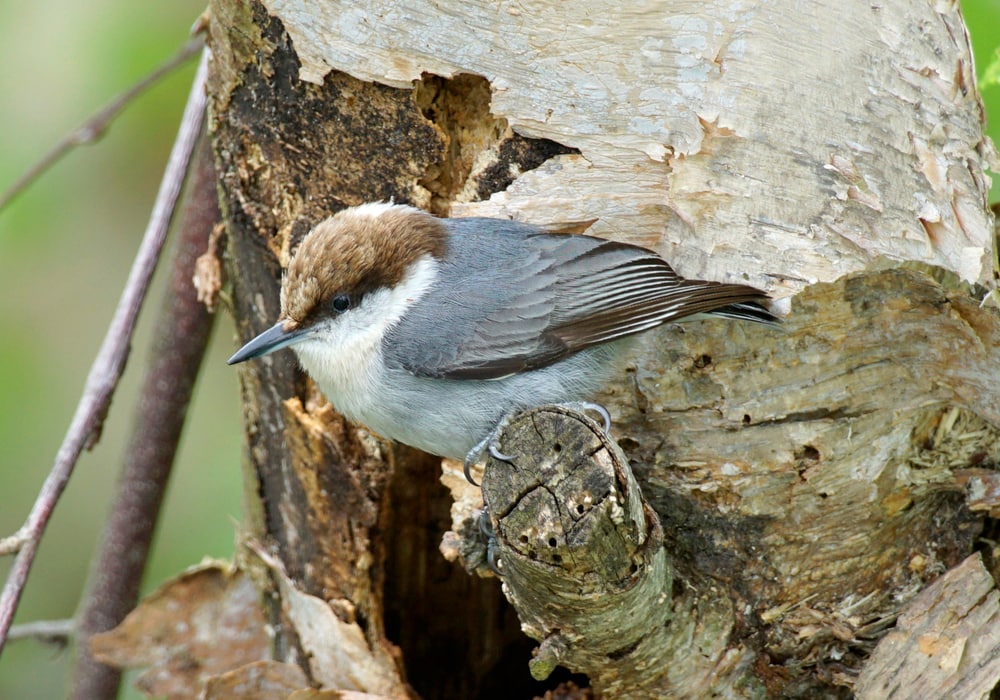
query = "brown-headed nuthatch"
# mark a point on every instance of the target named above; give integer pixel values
(430, 331)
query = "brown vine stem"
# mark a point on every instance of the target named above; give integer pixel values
(182, 329)
(85, 428)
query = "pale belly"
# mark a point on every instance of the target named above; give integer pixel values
(448, 417)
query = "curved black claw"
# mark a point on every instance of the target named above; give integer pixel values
(492, 560)
(486, 525)
(486, 528)
(487, 443)
(596, 408)
(472, 456)
(497, 454)
(467, 470)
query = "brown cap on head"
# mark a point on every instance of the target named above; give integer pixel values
(356, 251)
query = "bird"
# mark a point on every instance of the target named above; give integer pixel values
(430, 331)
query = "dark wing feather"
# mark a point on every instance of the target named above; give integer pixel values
(557, 294)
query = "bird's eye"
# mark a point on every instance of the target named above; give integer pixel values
(341, 302)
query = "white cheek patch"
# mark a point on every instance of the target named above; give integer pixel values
(359, 329)
(343, 354)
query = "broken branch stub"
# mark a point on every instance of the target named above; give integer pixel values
(583, 556)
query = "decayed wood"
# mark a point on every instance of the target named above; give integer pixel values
(316, 486)
(794, 470)
(582, 558)
(799, 476)
(946, 643)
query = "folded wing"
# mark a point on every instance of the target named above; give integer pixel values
(557, 295)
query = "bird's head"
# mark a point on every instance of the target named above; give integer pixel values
(352, 278)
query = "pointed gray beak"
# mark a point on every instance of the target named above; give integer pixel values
(274, 338)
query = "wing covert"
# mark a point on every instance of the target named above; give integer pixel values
(557, 294)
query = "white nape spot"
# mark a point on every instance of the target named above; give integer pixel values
(373, 210)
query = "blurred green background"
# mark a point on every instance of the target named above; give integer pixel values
(66, 246)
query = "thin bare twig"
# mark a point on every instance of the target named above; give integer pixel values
(55, 632)
(94, 128)
(182, 328)
(85, 428)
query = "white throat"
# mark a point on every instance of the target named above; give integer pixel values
(343, 355)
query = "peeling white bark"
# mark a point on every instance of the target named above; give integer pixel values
(781, 143)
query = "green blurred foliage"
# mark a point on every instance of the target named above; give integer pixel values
(983, 20)
(66, 246)
(65, 249)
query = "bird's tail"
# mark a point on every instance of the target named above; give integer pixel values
(747, 311)
(738, 301)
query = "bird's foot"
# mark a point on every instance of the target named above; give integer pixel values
(487, 444)
(584, 406)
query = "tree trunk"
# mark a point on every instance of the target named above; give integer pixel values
(803, 484)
